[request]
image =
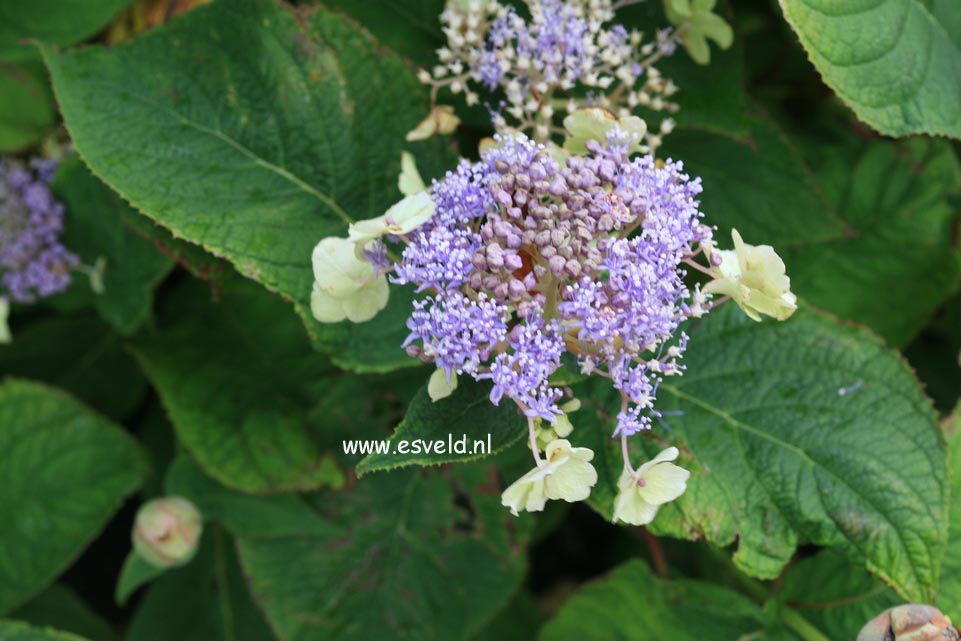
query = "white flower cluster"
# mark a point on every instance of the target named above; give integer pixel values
(538, 62)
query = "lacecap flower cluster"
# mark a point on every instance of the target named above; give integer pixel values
(533, 253)
(34, 263)
(537, 62)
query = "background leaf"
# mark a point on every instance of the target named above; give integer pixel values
(209, 596)
(401, 555)
(51, 21)
(26, 111)
(80, 354)
(96, 230)
(632, 604)
(308, 139)
(467, 412)
(17, 631)
(896, 63)
(59, 607)
(791, 430)
(878, 221)
(247, 405)
(63, 472)
(835, 596)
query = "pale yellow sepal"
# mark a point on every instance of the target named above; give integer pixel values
(755, 278)
(345, 287)
(593, 123)
(402, 218)
(409, 182)
(438, 387)
(565, 473)
(652, 485)
(440, 120)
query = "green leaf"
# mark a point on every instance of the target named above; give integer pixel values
(60, 608)
(410, 28)
(134, 574)
(96, 231)
(243, 388)
(63, 472)
(26, 111)
(835, 596)
(51, 21)
(467, 415)
(949, 598)
(898, 251)
(803, 431)
(17, 631)
(896, 63)
(191, 257)
(206, 600)
(711, 97)
(304, 135)
(402, 555)
(632, 604)
(78, 353)
(879, 221)
(520, 620)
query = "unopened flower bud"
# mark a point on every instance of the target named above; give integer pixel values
(166, 531)
(910, 623)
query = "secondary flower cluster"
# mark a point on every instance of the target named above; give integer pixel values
(537, 62)
(534, 253)
(33, 262)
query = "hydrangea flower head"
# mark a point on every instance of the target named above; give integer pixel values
(529, 256)
(537, 62)
(33, 262)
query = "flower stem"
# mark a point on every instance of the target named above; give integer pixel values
(790, 617)
(799, 625)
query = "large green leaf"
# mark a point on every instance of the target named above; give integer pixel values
(59, 22)
(26, 108)
(63, 472)
(896, 63)
(209, 596)
(96, 231)
(254, 130)
(246, 394)
(402, 555)
(79, 353)
(800, 431)
(466, 415)
(879, 221)
(634, 605)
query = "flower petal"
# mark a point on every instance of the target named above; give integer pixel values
(663, 482)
